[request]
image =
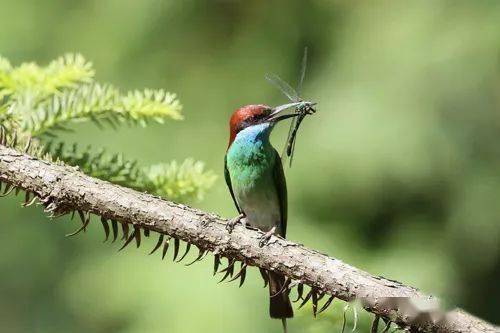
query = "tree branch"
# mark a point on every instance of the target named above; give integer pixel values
(63, 189)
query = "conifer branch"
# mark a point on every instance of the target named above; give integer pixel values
(62, 190)
(180, 182)
(38, 102)
(102, 104)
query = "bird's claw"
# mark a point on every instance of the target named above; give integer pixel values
(232, 222)
(264, 239)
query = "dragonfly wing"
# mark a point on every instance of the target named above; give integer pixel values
(284, 87)
(303, 68)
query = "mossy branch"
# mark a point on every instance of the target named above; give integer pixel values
(62, 190)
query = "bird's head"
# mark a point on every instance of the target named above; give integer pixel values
(252, 115)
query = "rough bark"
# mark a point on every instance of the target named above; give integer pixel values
(64, 189)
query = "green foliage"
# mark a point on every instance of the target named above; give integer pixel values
(101, 103)
(178, 182)
(174, 180)
(67, 71)
(36, 102)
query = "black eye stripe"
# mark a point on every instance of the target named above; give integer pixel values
(251, 120)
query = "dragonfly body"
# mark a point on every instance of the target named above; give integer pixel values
(303, 108)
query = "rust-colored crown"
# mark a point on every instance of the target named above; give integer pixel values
(242, 117)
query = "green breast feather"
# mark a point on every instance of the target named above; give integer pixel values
(255, 178)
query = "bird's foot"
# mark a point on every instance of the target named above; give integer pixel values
(232, 222)
(264, 239)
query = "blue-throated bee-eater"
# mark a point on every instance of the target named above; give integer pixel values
(256, 181)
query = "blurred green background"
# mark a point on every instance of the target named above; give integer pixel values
(398, 173)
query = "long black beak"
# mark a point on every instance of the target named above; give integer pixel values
(276, 115)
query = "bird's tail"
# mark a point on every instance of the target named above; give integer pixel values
(279, 306)
(283, 322)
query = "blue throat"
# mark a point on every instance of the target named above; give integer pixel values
(251, 148)
(251, 145)
(254, 134)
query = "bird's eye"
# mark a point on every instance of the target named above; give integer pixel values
(264, 113)
(260, 116)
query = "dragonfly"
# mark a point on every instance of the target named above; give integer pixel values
(303, 109)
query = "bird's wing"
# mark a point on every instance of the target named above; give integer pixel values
(228, 182)
(280, 185)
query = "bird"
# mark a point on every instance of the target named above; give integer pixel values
(255, 177)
